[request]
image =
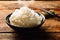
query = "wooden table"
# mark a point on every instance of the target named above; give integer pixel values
(51, 25)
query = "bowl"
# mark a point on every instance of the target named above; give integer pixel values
(26, 28)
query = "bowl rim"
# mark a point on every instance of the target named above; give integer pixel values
(8, 22)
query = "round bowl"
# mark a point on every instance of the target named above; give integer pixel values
(26, 28)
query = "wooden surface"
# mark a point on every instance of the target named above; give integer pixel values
(50, 25)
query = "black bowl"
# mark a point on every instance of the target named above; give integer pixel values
(26, 28)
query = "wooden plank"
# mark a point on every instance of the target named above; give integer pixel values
(51, 25)
(17, 4)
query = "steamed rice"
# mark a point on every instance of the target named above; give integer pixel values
(25, 17)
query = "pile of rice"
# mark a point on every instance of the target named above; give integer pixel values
(25, 17)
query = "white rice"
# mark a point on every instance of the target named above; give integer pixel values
(25, 17)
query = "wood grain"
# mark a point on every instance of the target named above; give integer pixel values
(50, 25)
